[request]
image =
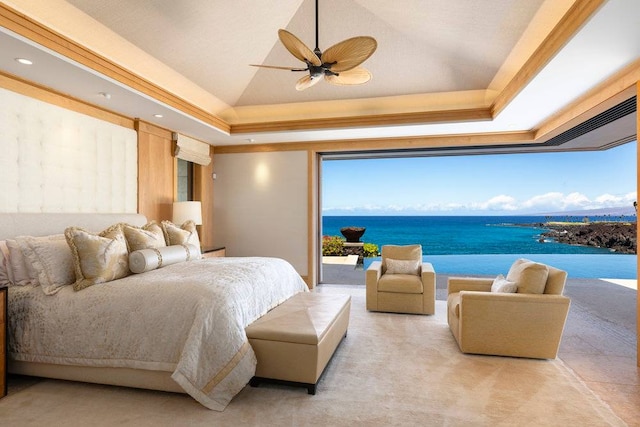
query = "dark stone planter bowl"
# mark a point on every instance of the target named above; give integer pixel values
(352, 234)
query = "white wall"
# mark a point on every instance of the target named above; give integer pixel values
(260, 205)
(56, 160)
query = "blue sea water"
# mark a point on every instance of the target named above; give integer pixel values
(485, 244)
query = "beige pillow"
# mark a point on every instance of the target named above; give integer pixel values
(149, 236)
(502, 285)
(51, 259)
(401, 266)
(529, 276)
(185, 234)
(98, 258)
(20, 273)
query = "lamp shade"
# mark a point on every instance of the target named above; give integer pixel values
(185, 211)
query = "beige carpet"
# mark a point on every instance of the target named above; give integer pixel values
(390, 370)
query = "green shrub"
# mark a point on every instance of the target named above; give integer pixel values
(370, 250)
(332, 245)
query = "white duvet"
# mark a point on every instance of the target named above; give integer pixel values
(186, 318)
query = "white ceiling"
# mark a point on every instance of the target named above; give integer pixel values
(459, 51)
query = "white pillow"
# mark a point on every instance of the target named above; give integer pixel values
(402, 266)
(20, 273)
(51, 260)
(502, 285)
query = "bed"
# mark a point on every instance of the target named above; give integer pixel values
(179, 328)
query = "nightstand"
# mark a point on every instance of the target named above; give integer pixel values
(214, 252)
(4, 291)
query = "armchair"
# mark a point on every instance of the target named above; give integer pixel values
(401, 282)
(510, 324)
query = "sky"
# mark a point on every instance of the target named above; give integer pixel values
(503, 184)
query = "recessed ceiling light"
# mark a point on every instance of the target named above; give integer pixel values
(105, 95)
(251, 140)
(24, 61)
(159, 116)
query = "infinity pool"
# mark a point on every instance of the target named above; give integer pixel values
(614, 266)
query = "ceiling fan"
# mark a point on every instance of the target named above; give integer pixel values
(339, 65)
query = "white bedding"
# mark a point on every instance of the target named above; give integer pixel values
(186, 318)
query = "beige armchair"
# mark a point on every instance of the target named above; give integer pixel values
(401, 282)
(510, 324)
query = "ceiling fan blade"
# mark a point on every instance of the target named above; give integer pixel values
(307, 82)
(297, 48)
(279, 68)
(354, 76)
(349, 53)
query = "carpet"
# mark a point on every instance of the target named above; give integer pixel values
(390, 370)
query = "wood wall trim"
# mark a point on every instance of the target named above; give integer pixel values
(146, 127)
(441, 116)
(33, 30)
(44, 94)
(612, 91)
(203, 191)
(570, 23)
(408, 143)
(156, 172)
(638, 223)
(312, 218)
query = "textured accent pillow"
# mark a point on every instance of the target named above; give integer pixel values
(98, 258)
(185, 234)
(20, 273)
(401, 266)
(529, 276)
(502, 285)
(51, 259)
(6, 278)
(148, 236)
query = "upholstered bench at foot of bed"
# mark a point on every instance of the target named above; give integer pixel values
(295, 341)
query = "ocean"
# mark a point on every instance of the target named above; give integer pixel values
(456, 235)
(451, 240)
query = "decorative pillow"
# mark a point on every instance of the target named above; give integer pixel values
(51, 259)
(148, 236)
(20, 273)
(185, 234)
(98, 258)
(502, 285)
(150, 259)
(6, 278)
(401, 266)
(529, 276)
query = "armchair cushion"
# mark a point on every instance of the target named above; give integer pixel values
(400, 283)
(529, 276)
(401, 266)
(502, 285)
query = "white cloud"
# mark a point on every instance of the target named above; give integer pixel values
(500, 204)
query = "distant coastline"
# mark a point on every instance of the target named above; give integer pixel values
(620, 237)
(617, 236)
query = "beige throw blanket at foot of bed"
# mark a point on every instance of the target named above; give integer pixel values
(186, 318)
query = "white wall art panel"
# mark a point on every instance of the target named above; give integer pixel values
(260, 205)
(56, 160)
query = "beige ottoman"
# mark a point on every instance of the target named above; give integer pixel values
(295, 341)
